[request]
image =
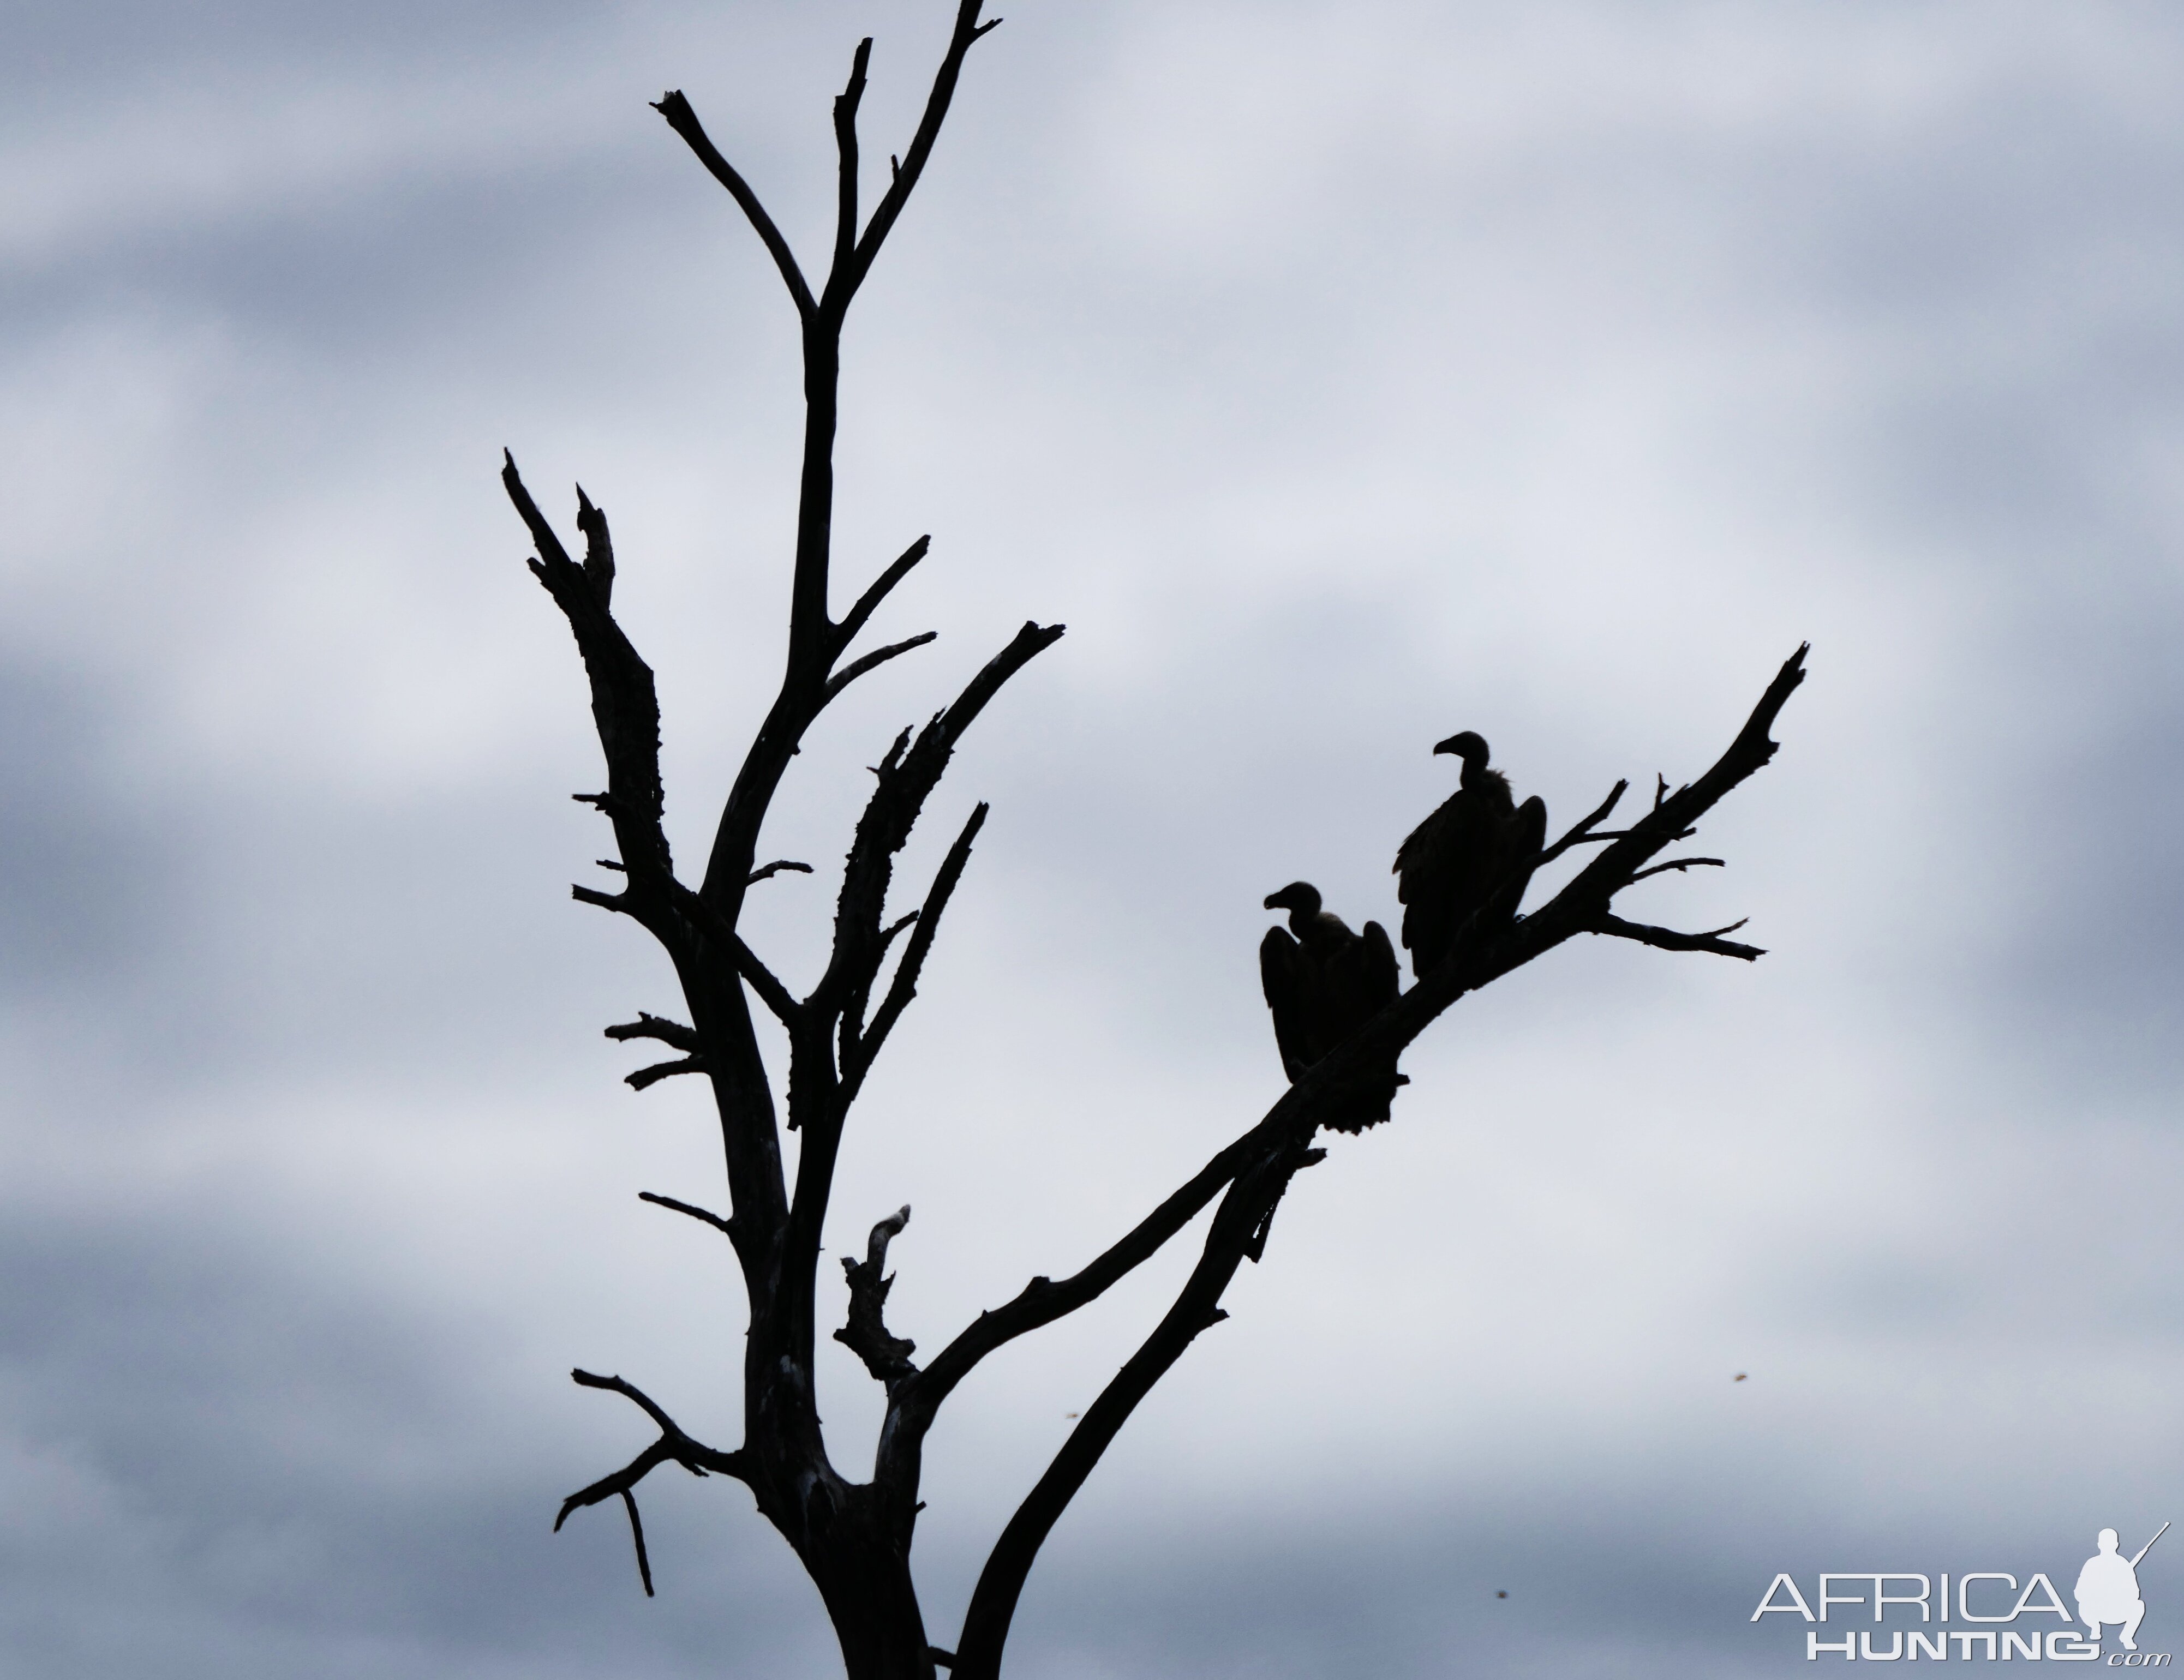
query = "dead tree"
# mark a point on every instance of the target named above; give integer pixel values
(854, 1536)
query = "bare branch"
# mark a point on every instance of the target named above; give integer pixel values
(852, 1024)
(1675, 814)
(599, 548)
(705, 1217)
(1680, 864)
(657, 1026)
(904, 987)
(885, 1232)
(812, 635)
(628, 1391)
(1665, 939)
(684, 121)
(693, 1455)
(607, 1487)
(831, 1047)
(674, 1447)
(886, 1356)
(843, 283)
(550, 551)
(672, 1032)
(625, 704)
(645, 1077)
(854, 620)
(1255, 1248)
(715, 927)
(879, 656)
(1042, 1301)
(1027, 644)
(1246, 1208)
(845, 142)
(1571, 911)
(637, 1536)
(1583, 834)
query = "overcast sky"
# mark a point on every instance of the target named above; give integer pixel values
(1343, 375)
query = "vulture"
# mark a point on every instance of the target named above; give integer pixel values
(1321, 985)
(1453, 862)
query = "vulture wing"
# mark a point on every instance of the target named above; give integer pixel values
(1363, 982)
(1425, 885)
(1282, 977)
(1458, 850)
(1526, 835)
(1379, 979)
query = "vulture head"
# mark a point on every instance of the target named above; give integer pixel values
(1299, 897)
(1470, 746)
(1473, 750)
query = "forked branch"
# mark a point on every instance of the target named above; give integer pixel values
(868, 603)
(1665, 939)
(847, 276)
(1257, 1167)
(674, 1447)
(1237, 1227)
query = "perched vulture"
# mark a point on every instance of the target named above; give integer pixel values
(1322, 985)
(1450, 865)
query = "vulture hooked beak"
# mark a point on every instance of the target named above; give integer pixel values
(1470, 744)
(1298, 895)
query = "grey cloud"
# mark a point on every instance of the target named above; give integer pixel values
(1343, 378)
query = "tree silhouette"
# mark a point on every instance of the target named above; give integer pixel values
(854, 1538)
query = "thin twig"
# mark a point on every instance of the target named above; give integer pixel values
(879, 656)
(628, 1391)
(1667, 939)
(645, 1077)
(866, 603)
(666, 1032)
(1680, 864)
(726, 1227)
(636, 1534)
(1582, 832)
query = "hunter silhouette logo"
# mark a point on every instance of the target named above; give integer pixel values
(2108, 1588)
(1987, 1606)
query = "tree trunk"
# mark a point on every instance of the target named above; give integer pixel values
(863, 1575)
